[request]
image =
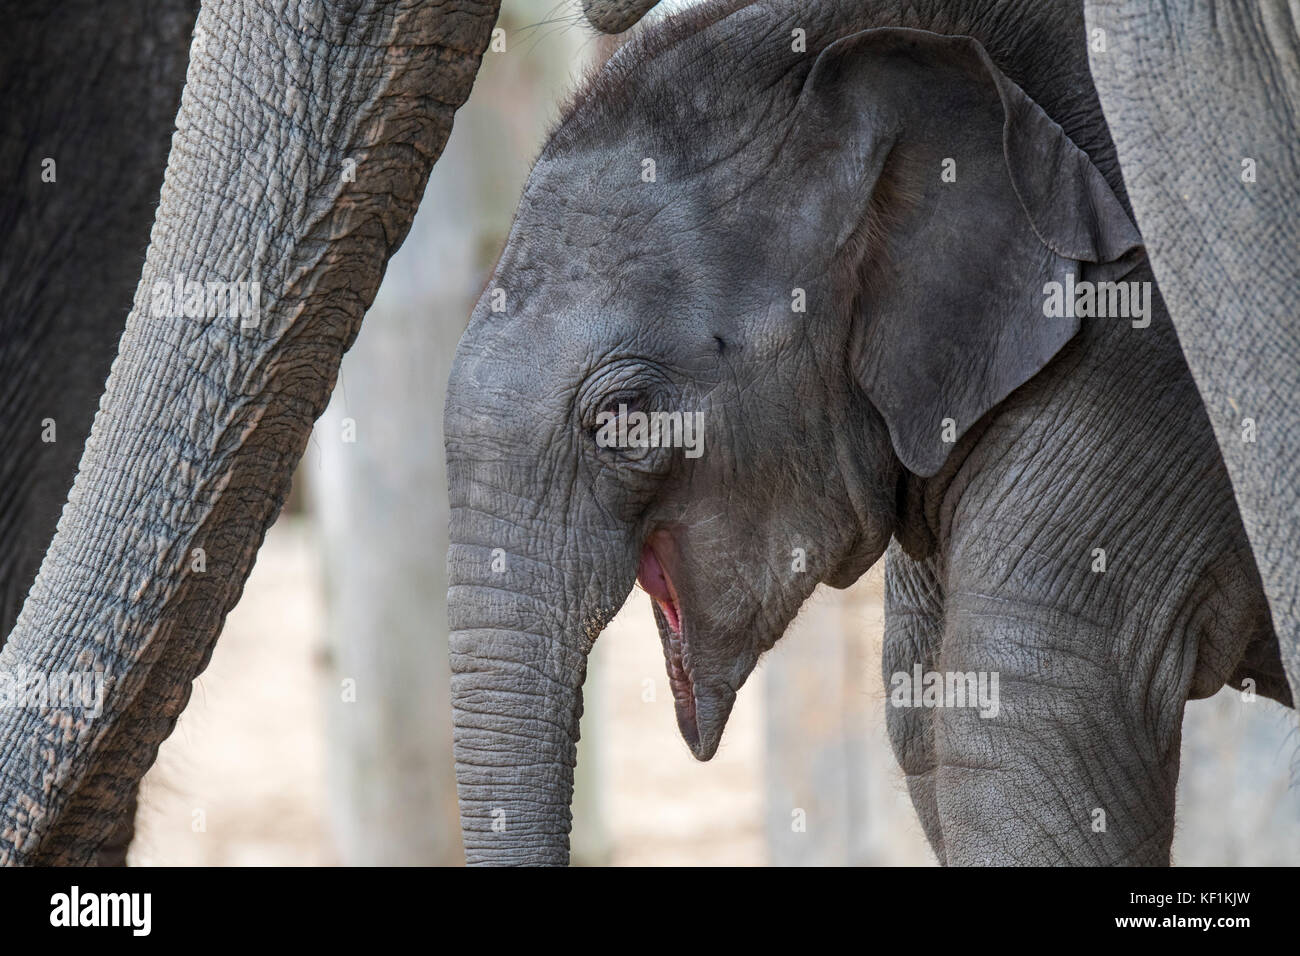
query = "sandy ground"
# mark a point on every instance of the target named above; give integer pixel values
(242, 780)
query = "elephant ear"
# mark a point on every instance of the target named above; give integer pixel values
(959, 199)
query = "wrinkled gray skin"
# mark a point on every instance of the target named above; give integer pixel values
(202, 421)
(71, 249)
(1190, 90)
(778, 170)
(63, 90)
(615, 16)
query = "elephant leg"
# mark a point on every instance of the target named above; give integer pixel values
(913, 635)
(74, 226)
(1068, 766)
(204, 416)
(1069, 752)
(1037, 772)
(1202, 100)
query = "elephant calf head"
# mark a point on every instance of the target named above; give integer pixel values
(743, 296)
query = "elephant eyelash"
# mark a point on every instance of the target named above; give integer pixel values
(615, 406)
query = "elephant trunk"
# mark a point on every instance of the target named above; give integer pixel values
(519, 643)
(516, 699)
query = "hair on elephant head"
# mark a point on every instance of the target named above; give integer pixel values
(831, 259)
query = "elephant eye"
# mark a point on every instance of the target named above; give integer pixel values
(624, 404)
(620, 412)
(621, 426)
(619, 405)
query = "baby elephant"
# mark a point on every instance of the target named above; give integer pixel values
(796, 284)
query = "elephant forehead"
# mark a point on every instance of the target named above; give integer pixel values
(612, 201)
(670, 248)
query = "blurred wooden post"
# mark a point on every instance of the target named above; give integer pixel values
(816, 725)
(376, 475)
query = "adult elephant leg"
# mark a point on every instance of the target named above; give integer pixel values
(305, 136)
(1202, 100)
(74, 225)
(79, 189)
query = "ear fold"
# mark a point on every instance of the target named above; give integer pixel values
(976, 199)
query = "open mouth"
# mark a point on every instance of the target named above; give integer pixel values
(654, 577)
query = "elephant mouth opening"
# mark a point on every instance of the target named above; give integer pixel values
(654, 577)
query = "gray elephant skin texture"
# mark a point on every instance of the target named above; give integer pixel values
(1202, 100)
(307, 191)
(828, 232)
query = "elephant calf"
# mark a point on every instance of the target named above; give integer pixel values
(833, 231)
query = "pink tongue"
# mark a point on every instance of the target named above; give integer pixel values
(650, 574)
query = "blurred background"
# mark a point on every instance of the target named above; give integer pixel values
(320, 732)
